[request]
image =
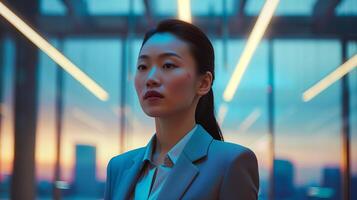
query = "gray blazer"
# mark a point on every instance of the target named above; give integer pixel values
(206, 169)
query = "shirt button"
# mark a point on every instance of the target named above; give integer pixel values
(168, 162)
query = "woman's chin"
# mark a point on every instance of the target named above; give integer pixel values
(155, 112)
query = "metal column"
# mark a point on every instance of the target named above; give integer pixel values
(58, 124)
(345, 130)
(23, 184)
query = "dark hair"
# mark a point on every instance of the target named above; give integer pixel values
(203, 53)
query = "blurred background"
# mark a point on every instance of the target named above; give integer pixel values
(286, 87)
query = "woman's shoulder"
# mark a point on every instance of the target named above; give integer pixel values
(231, 150)
(238, 165)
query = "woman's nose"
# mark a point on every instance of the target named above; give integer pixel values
(152, 78)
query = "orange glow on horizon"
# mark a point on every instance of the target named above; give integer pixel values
(107, 146)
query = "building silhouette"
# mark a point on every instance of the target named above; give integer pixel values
(85, 182)
(283, 179)
(331, 178)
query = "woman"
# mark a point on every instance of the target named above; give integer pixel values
(186, 158)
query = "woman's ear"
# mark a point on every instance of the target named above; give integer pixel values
(204, 83)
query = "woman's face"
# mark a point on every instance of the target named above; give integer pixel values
(165, 65)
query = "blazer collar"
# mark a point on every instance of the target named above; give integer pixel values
(174, 152)
(182, 173)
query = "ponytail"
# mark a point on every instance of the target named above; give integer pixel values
(205, 116)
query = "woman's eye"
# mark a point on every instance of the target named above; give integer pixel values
(141, 67)
(169, 66)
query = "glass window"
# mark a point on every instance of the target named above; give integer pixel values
(89, 127)
(285, 7)
(307, 133)
(52, 7)
(7, 131)
(45, 136)
(113, 7)
(347, 8)
(244, 119)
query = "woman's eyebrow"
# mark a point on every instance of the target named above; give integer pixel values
(166, 54)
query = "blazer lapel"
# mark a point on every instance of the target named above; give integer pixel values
(131, 174)
(185, 171)
(130, 177)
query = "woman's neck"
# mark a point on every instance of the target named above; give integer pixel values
(169, 130)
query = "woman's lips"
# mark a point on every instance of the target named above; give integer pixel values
(152, 94)
(153, 98)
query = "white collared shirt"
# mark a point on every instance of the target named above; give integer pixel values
(153, 175)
